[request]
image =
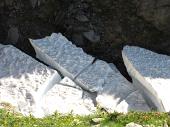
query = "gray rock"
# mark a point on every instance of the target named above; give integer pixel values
(13, 35)
(155, 11)
(133, 125)
(150, 73)
(114, 92)
(92, 36)
(61, 54)
(66, 97)
(82, 18)
(21, 77)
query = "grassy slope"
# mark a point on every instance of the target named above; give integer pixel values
(8, 119)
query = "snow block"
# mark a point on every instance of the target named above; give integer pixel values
(111, 87)
(21, 77)
(62, 55)
(66, 97)
(151, 74)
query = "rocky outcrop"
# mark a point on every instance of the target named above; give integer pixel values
(23, 79)
(150, 73)
(156, 12)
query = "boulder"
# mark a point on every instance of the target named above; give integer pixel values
(62, 55)
(21, 78)
(114, 92)
(150, 72)
(67, 97)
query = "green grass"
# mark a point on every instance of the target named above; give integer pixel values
(8, 119)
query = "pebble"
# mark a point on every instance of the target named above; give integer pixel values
(92, 36)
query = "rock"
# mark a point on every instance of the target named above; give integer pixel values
(21, 78)
(165, 124)
(62, 55)
(133, 125)
(150, 72)
(114, 92)
(13, 35)
(155, 11)
(78, 39)
(82, 18)
(66, 97)
(92, 36)
(97, 120)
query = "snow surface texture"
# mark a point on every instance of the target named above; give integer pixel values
(62, 55)
(66, 97)
(113, 90)
(23, 79)
(150, 73)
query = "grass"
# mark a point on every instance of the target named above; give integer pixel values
(9, 119)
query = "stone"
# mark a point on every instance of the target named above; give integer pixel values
(21, 78)
(62, 55)
(165, 124)
(66, 97)
(114, 92)
(92, 36)
(133, 125)
(150, 73)
(97, 120)
(82, 18)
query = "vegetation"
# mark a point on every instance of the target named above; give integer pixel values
(101, 119)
